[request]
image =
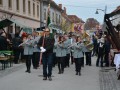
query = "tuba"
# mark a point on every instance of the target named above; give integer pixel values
(87, 41)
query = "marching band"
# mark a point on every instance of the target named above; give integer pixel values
(59, 49)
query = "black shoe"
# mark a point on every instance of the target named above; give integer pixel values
(34, 67)
(50, 79)
(79, 73)
(76, 73)
(62, 71)
(26, 71)
(29, 71)
(59, 72)
(119, 77)
(44, 78)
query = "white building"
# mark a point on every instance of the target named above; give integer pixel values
(26, 12)
(55, 15)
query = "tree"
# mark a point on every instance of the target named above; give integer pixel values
(91, 24)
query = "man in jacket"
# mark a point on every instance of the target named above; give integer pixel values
(46, 42)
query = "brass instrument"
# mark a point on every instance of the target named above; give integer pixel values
(89, 46)
(87, 43)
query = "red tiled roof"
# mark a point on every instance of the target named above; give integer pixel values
(66, 17)
(117, 9)
(75, 19)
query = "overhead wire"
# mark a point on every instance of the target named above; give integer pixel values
(84, 6)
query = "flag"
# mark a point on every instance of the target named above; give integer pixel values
(79, 28)
(48, 16)
(48, 20)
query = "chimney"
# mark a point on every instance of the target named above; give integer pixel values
(60, 6)
(65, 10)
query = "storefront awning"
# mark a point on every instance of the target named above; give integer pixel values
(5, 23)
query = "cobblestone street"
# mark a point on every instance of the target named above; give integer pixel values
(108, 79)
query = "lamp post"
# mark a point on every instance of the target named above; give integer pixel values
(105, 10)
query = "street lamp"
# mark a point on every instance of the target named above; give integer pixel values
(98, 10)
(101, 10)
(105, 10)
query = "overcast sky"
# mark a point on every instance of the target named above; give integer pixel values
(86, 8)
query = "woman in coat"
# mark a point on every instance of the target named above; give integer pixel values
(78, 54)
(60, 54)
(28, 51)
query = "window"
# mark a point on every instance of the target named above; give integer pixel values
(44, 14)
(59, 19)
(53, 17)
(33, 9)
(24, 6)
(56, 18)
(17, 5)
(1, 2)
(38, 11)
(29, 9)
(10, 4)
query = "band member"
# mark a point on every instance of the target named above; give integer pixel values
(73, 40)
(46, 43)
(101, 49)
(54, 50)
(36, 50)
(28, 51)
(78, 55)
(68, 42)
(88, 51)
(60, 53)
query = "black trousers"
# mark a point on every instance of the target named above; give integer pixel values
(35, 59)
(61, 63)
(94, 50)
(16, 55)
(28, 61)
(82, 63)
(67, 60)
(100, 56)
(88, 58)
(72, 58)
(106, 59)
(54, 59)
(78, 62)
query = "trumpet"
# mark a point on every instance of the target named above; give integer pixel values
(74, 44)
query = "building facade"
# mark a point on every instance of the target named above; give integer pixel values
(55, 15)
(116, 17)
(26, 12)
(66, 21)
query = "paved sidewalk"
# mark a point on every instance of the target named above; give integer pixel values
(108, 79)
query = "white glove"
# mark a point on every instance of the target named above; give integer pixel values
(42, 49)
